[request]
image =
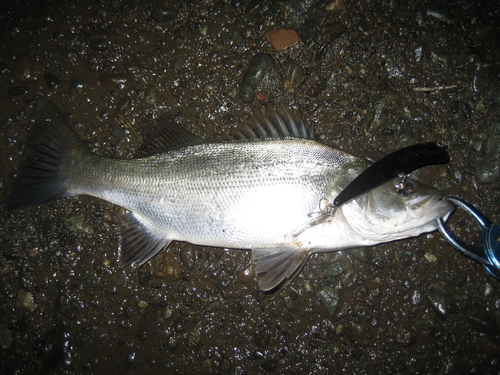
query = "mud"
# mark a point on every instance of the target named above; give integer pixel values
(374, 76)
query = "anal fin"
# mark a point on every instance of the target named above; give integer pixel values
(138, 245)
(278, 266)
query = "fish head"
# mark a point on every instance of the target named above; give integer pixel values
(398, 209)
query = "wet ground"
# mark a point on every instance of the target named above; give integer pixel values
(373, 76)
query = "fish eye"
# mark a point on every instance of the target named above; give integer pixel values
(404, 187)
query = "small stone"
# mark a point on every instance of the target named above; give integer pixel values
(458, 304)
(439, 305)
(225, 365)
(247, 274)
(150, 95)
(188, 257)
(431, 258)
(17, 91)
(330, 299)
(194, 337)
(291, 300)
(74, 86)
(361, 254)
(405, 337)
(194, 109)
(52, 81)
(142, 304)
(262, 339)
(208, 366)
(23, 69)
(144, 274)
(488, 172)
(478, 143)
(25, 299)
(282, 39)
(334, 270)
(417, 297)
(5, 337)
(214, 306)
(269, 364)
(124, 104)
(173, 342)
(77, 224)
(167, 267)
(336, 6)
(483, 324)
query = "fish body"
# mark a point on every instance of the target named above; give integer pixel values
(272, 196)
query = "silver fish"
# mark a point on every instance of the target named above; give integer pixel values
(272, 195)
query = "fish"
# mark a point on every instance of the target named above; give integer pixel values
(270, 190)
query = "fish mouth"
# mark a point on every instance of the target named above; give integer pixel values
(431, 207)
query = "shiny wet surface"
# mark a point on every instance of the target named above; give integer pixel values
(372, 76)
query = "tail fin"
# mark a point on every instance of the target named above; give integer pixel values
(38, 178)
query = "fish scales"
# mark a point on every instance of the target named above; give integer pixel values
(205, 194)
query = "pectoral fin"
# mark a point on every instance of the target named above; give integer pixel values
(138, 245)
(278, 266)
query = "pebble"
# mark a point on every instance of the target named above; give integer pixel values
(167, 268)
(488, 172)
(295, 10)
(207, 366)
(77, 224)
(257, 68)
(23, 69)
(74, 86)
(431, 258)
(52, 81)
(193, 110)
(124, 104)
(142, 304)
(25, 299)
(336, 6)
(405, 337)
(269, 364)
(150, 96)
(247, 274)
(330, 299)
(262, 339)
(308, 30)
(483, 324)
(334, 270)
(172, 342)
(478, 143)
(417, 297)
(458, 304)
(188, 257)
(5, 337)
(282, 39)
(144, 274)
(161, 13)
(439, 304)
(362, 254)
(17, 90)
(293, 77)
(113, 283)
(194, 337)
(99, 41)
(118, 80)
(238, 38)
(214, 306)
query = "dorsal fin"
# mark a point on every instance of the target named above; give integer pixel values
(275, 124)
(165, 136)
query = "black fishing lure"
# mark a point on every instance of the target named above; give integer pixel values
(399, 162)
